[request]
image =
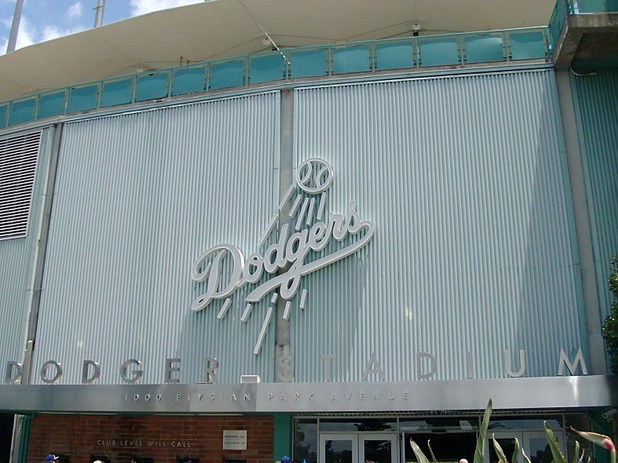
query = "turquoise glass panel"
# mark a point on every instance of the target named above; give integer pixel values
(3, 113)
(439, 52)
(354, 59)
(527, 45)
(483, 49)
(595, 6)
(228, 74)
(51, 104)
(83, 98)
(266, 68)
(152, 86)
(556, 22)
(22, 111)
(188, 80)
(395, 56)
(310, 63)
(117, 92)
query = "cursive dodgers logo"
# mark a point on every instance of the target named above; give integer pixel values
(309, 246)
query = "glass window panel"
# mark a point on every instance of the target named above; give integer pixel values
(228, 74)
(308, 63)
(83, 98)
(377, 451)
(306, 441)
(440, 424)
(51, 104)
(338, 451)
(538, 450)
(483, 49)
(189, 80)
(533, 424)
(23, 111)
(353, 59)
(152, 86)
(439, 52)
(355, 425)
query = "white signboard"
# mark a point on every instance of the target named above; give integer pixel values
(234, 440)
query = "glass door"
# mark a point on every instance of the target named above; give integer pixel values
(338, 448)
(358, 448)
(378, 448)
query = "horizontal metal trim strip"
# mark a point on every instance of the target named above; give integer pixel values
(567, 392)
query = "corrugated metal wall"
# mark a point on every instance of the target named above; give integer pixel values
(17, 258)
(139, 197)
(596, 108)
(465, 180)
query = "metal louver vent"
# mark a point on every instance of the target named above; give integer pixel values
(18, 157)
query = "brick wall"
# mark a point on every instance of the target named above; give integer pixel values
(162, 438)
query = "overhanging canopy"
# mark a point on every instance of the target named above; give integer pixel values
(222, 28)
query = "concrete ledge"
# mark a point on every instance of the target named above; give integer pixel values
(587, 37)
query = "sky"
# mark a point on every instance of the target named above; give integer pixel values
(48, 19)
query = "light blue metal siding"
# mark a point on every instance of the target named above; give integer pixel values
(596, 108)
(139, 197)
(18, 258)
(465, 180)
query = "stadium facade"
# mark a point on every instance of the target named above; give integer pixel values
(321, 250)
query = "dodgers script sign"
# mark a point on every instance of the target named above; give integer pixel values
(317, 240)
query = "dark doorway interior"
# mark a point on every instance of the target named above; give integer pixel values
(6, 433)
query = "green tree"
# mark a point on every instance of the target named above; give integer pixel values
(610, 325)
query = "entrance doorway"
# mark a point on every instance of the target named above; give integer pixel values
(359, 448)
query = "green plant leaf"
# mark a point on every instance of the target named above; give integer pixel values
(499, 451)
(433, 457)
(420, 456)
(600, 440)
(578, 456)
(525, 456)
(479, 451)
(553, 445)
(515, 456)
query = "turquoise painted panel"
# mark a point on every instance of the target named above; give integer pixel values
(395, 56)
(474, 254)
(352, 59)
(230, 74)
(309, 63)
(83, 98)
(266, 68)
(527, 45)
(117, 92)
(51, 104)
(189, 80)
(22, 111)
(4, 109)
(152, 86)
(439, 52)
(140, 197)
(483, 49)
(596, 109)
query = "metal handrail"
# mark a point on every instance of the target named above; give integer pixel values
(565, 8)
(405, 53)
